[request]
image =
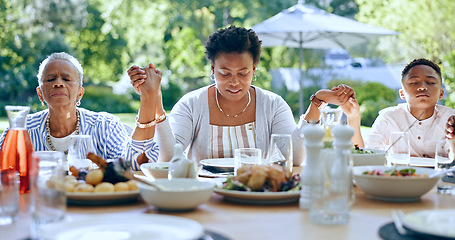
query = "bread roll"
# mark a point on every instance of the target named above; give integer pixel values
(94, 177)
(84, 188)
(132, 185)
(121, 187)
(104, 187)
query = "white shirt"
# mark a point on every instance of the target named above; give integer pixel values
(422, 136)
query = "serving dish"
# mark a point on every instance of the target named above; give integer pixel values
(393, 188)
(180, 194)
(92, 198)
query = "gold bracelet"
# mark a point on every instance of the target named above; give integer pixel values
(145, 125)
(161, 118)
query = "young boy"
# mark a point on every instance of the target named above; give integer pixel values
(421, 88)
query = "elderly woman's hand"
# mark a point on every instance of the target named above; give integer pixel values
(145, 79)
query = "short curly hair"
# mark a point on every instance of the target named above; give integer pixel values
(421, 61)
(233, 40)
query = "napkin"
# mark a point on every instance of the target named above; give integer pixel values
(182, 167)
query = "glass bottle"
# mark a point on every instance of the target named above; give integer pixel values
(16, 151)
(332, 206)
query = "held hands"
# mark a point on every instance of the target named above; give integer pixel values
(145, 79)
(338, 95)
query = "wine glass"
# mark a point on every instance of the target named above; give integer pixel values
(80, 146)
(280, 151)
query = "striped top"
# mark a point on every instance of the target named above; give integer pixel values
(109, 136)
(224, 139)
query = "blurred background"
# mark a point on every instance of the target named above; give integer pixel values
(110, 36)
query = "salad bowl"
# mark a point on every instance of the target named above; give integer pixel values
(382, 186)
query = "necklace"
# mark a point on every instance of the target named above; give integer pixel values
(48, 130)
(236, 115)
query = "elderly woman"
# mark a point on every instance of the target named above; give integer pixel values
(60, 87)
(231, 113)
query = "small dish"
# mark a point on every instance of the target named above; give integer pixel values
(156, 169)
(370, 157)
(220, 164)
(180, 194)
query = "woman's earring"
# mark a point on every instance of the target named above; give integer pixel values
(212, 77)
(42, 103)
(78, 103)
(255, 78)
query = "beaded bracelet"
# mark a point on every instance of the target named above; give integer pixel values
(161, 118)
(145, 125)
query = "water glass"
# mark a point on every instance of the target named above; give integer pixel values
(280, 151)
(247, 156)
(79, 147)
(9, 196)
(399, 153)
(443, 162)
(48, 198)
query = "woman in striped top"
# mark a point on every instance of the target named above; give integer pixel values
(212, 121)
(60, 80)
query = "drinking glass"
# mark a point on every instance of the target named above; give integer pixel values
(329, 118)
(48, 198)
(247, 156)
(280, 151)
(80, 146)
(9, 196)
(399, 151)
(442, 162)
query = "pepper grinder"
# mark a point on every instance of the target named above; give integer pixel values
(332, 206)
(312, 175)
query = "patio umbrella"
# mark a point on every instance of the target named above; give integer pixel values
(302, 26)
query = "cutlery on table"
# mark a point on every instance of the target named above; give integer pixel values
(397, 216)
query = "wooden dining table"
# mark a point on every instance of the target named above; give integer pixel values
(250, 221)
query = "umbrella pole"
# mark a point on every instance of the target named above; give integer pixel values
(301, 75)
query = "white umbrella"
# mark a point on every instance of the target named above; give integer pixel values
(302, 26)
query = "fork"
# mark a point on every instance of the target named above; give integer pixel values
(397, 216)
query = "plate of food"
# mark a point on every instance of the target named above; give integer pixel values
(125, 226)
(100, 186)
(256, 184)
(431, 223)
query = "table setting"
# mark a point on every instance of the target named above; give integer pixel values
(176, 200)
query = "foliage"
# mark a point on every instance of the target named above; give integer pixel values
(425, 27)
(101, 99)
(372, 97)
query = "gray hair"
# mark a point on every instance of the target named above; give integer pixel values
(61, 56)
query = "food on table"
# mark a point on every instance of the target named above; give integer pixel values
(406, 172)
(358, 150)
(121, 187)
(104, 187)
(262, 179)
(105, 179)
(84, 187)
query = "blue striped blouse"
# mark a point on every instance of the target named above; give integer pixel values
(109, 136)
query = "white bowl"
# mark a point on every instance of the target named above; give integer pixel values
(377, 157)
(179, 194)
(156, 169)
(392, 188)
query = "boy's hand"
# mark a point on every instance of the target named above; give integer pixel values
(450, 127)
